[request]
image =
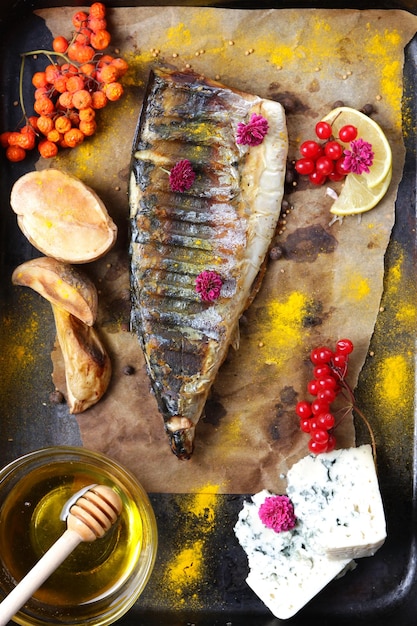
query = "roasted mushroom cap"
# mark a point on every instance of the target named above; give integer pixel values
(60, 283)
(62, 217)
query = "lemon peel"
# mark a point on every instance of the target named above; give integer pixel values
(371, 132)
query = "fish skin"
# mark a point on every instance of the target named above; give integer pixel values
(225, 222)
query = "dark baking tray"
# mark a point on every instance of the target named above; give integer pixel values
(382, 589)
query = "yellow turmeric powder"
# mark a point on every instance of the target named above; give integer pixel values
(390, 374)
(184, 573)
(19, 342)
(282, 330)
(356, 287)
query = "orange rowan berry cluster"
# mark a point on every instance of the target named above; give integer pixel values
(80, 80)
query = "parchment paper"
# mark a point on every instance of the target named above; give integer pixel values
(329, 281)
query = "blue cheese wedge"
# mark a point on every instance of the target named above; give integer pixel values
(286, 569)
(340, 517)
(341, 488)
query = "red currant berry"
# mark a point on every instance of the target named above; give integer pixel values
(324, 165)
(319, 406)
(323, 130)
(339, 360)
(327, 395)
(340, 167)
(325, 420)
(305, 425)
(314, 424)
(333, 150)
(312, 387)
(348, 133)
(327, 382)
(320, 435)
(344, 346)
(303, 409)
(331, 444)
(317, 178)
(321, 355)
(335, 177)
(305, 166)
(316, 447)
(320, 371)
(311, 149)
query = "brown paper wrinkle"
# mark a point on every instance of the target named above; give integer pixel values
(249, 437)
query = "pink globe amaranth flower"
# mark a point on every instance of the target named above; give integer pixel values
(182, 176)
(252, 133)
(359, 158)
(277, 513)
(208, 285)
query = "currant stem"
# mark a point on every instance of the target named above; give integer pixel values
(371, 433)
(357, 410)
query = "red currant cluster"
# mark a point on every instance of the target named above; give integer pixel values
(316, 418)
(325, 161)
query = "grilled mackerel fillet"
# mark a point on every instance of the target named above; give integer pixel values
(224, 222)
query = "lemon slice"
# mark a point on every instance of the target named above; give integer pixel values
(357, 197)
(369, 131)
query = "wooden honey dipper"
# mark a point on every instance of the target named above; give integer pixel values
(89, 514)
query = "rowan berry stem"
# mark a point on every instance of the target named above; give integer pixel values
(48, 54)
(21, 102)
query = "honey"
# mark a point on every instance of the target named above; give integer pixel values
(96, 574)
